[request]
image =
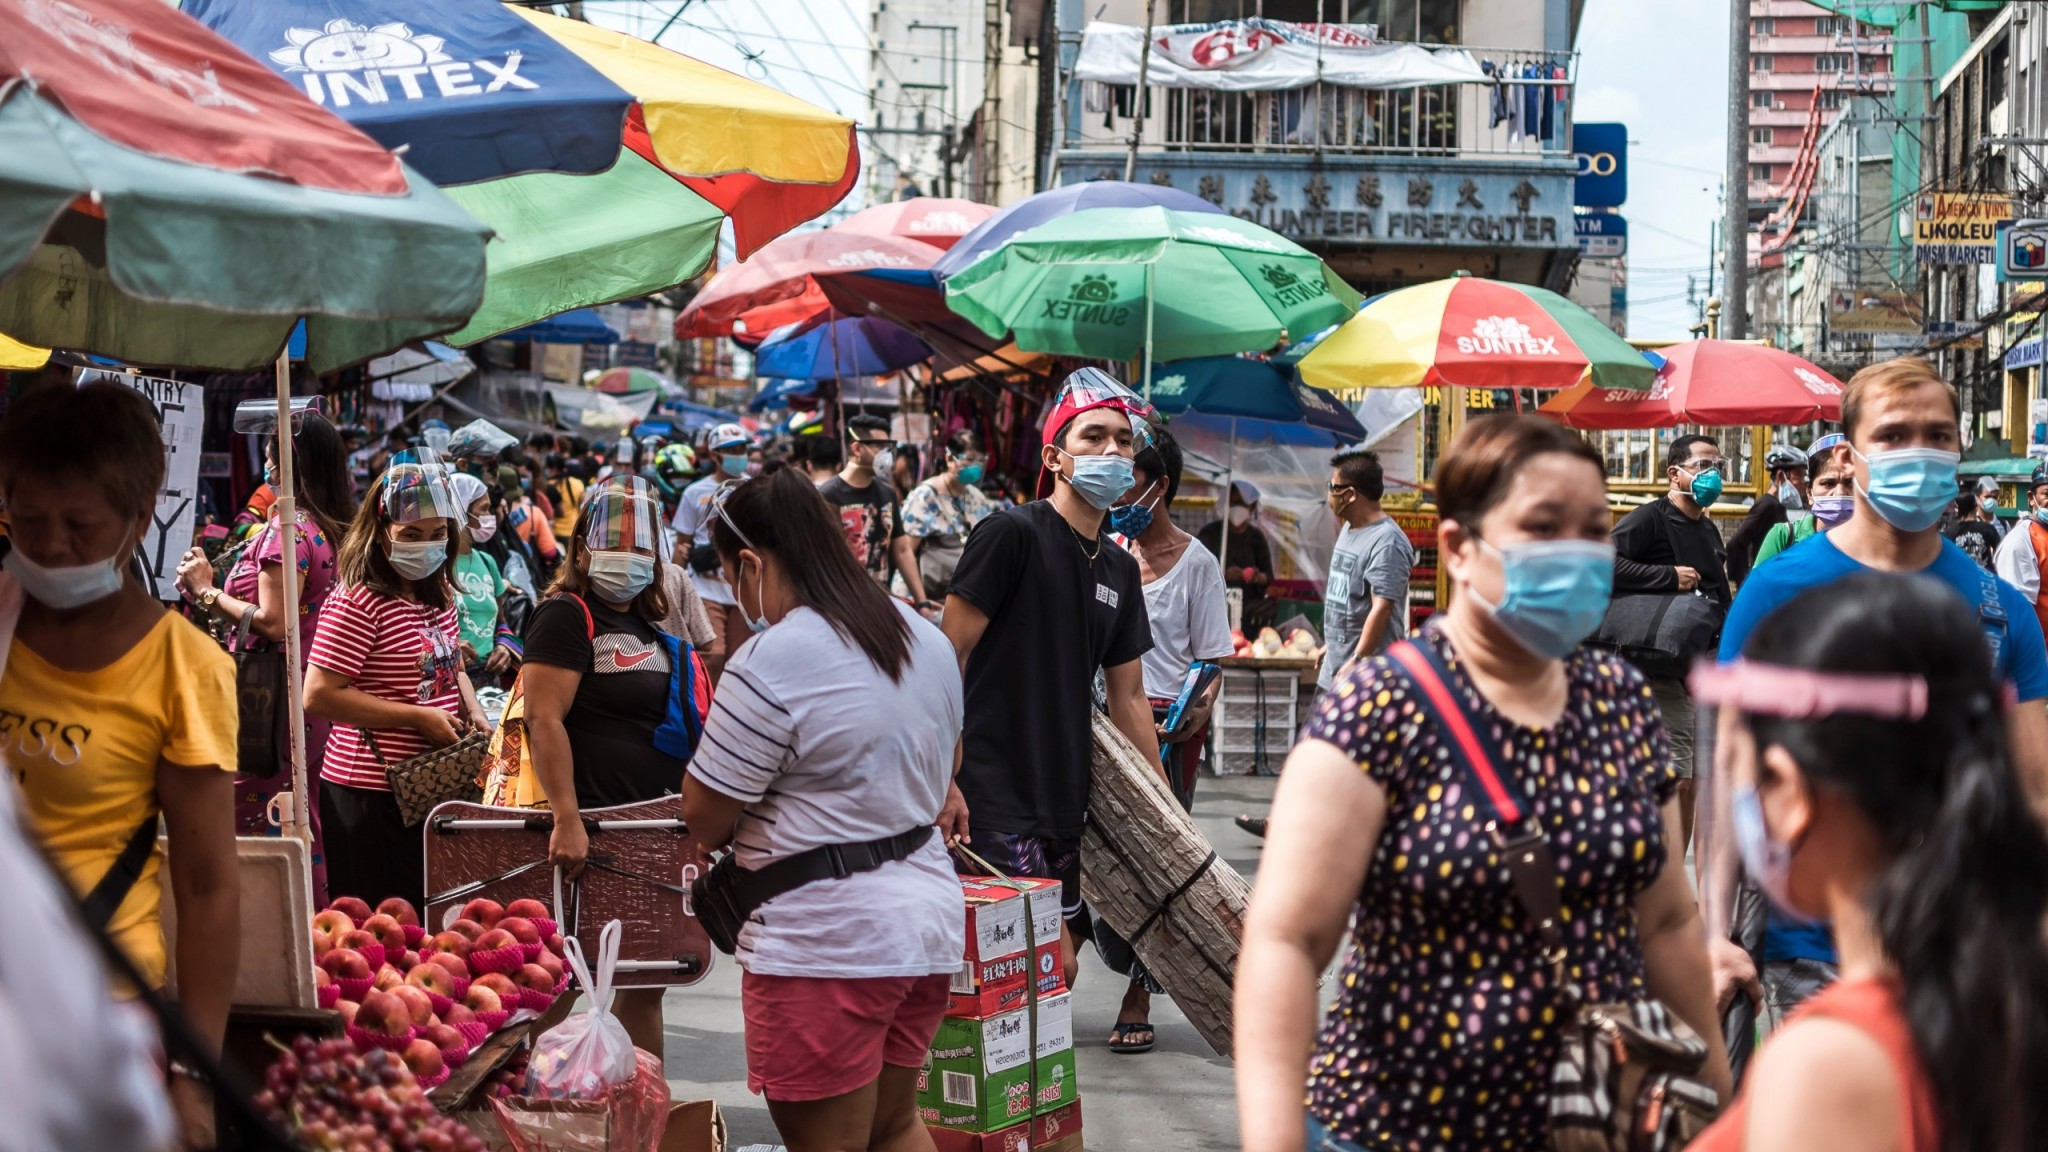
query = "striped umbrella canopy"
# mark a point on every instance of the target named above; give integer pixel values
(605, 165)
(1470, 332)
(166, 200)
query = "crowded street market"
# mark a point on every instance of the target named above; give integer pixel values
(1010, 575)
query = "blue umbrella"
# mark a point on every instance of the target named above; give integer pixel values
(577, 326)
(840, 347)
(467, 92)
(1233, 386)
(694, 417)
(778, 394)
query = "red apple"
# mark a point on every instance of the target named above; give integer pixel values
(449, 943)
(521, 929)
(484, 912)
(347, 1008)
(416, 1002)
(322, 943)
(399, 910)
(423, 1058)
(554, 943)
(322, 978)
(535, 977)
(494, 939)
(388, 932)
(503, 985)
(553, 966)
(332, 922)
(465, 928)
(483, 998)
(385, 1014)
(456, 967)
(443, 1036)
(460, 1014)
(529, 910)
(387, 978)
(357, 939)
(432, 978)
(355, 909)
(345, 964)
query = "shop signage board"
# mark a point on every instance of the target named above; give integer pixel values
(1958, 227)
(2023, 250)
(180, 411)
(1601, 151)
(1602, 235)
(1961, 335)
(1874, 311)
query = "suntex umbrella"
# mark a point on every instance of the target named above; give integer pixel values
(1714, 383)
(166, 200)
(937, 220)
(1473, 333)
(1242, 388)
(1108, 283)
(605, 164)
(784, 270)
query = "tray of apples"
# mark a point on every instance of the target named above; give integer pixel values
(432, 999)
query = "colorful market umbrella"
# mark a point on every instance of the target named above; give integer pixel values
(937, 220)
(839, 347)
(166, 200)
(604, 164)
(1053, 203)
(1109, 283)
(1242, 388)
(1714, 383)
(1473, 333)
(626, 381)
(783, 270)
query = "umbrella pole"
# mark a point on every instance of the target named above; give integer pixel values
(1148, 338)
(288, 540)
(1223, 533)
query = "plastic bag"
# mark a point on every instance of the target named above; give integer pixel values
(631, 1117)
(589, 1053)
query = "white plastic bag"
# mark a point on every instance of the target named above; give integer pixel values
(588, 1054)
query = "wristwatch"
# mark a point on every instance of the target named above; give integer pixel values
(208, 598)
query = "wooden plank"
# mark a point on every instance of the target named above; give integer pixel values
(1138, 850)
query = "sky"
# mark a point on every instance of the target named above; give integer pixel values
(1660, 67)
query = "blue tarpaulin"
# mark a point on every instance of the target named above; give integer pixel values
(467, 90)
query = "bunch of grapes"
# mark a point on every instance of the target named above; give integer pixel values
(329, 1096)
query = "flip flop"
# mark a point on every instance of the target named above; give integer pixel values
(1256, 825)
(1122, 1047)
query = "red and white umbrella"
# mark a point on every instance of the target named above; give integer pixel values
(1713, 383)
(937, 220)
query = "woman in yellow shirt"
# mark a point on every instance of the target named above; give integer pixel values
(114, 712)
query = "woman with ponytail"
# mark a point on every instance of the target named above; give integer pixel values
(1864, 735)
(829, 750)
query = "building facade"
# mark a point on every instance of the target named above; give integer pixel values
(1805, 63)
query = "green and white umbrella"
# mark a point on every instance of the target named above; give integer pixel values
(1111, 283)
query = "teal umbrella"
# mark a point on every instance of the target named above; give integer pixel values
(1110, 283)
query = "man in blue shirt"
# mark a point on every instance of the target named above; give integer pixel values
(1901, 423)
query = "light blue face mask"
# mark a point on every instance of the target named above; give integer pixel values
(1764, 858)
(1554, 593)
(1101, 480)
(734, 465)
(1911, 487)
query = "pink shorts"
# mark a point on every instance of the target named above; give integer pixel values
(812, 1038)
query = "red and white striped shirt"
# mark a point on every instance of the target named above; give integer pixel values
(394, 650)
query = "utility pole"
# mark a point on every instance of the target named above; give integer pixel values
(1139, 98)
(1735, 206)
(991, 117)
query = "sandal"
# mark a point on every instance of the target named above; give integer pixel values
(1122, 1046)
(1256, 825)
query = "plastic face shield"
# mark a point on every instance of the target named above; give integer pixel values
(1089, 388)
(417, 487)
(623, 514)
(259, 417)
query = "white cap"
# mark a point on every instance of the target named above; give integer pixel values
(729, 436)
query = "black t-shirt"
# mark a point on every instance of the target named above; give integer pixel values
(1977, 538)
(872, 519)
(1053, 619)
(621, 700)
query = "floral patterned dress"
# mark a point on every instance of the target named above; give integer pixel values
(1446, 1027)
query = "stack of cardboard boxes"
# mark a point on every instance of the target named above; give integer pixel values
(986, 1086)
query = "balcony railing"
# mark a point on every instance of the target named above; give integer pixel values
(1521, 115)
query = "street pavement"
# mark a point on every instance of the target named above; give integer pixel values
(1180, 1095)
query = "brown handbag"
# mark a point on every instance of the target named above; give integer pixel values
(1627, 1074)
(423, 782)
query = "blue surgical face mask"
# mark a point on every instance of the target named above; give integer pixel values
(1832, 510)
(971, 473)
(417, 559)
(1101, 480)
(1554, 593)
(2041, 517)
(756, 626)
(270, 475)
(1767, 860)
(1706, 486)
(733, 465)
(1911, 487)
(74, 586)
(1788, 495)
(620, 576)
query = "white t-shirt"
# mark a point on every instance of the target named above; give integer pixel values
(2014, 561)
(693, 523)
(1189, 620)
(825, 749)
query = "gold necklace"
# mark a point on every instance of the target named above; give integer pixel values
(1083, 542)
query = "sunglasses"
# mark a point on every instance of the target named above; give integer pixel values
(1343, 488)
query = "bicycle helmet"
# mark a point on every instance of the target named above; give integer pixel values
(1784, 456)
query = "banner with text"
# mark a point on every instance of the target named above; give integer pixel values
(1958, 227)
(1260, 55)
(180, 411)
